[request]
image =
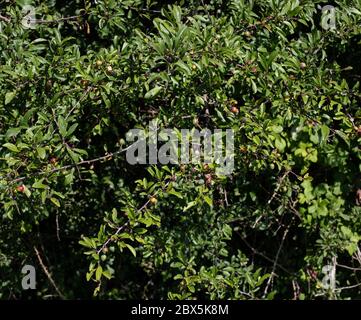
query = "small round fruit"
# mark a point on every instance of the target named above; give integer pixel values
(99, 63)
(103, 257)
(254, 69)
(194, 67)
(20, 188)
(243, 149)
(53, 160)
(153, 201)
(303, 66)
(358, 130)
(234, 110)
(84, 83)
(49, 85)
(247, 34)
(105, 250)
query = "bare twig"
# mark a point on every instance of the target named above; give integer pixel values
(274, 195)
(57, 226)
(270, 280)
(255, 251)
(47, 273)
(296, 289)
(225, 197)
(6, 19)
(349, 287)
(79, 101)
(349, 268)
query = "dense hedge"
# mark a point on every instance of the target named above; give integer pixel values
(285, 224)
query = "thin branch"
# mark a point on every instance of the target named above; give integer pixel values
(41, 21)
(145, 9)
(349, 287)
(57, 226)
(128, 222)
(69, 166)
(274, 195)
(255, 251)
(270, 280)
(47, 273)
(115, 234)
(347, 267)
(79, 101)
(278, 187)
(6, 19)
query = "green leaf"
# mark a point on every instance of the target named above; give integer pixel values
(107, 274)
(9, 97)
(209, 201)
(153, 92)
(343, 136)
(106, 100)
(98, 273)
(12, 132)
(39, 185)
(11, 147)
(71, 129)
(27, 192)
(276, 129)
(86, 242)
(190, 205)
(254, 86)
(132, 250)
(73, 155)
(55, 201)
(325, 131)
(41, 152)
(62, 126)
(175, 193)
(89, 275)
(280, 144)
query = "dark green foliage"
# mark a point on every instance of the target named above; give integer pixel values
(70, 89)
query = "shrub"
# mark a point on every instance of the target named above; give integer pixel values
(285, 224)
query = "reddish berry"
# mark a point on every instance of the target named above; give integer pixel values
(234, 110)
(20, 188)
